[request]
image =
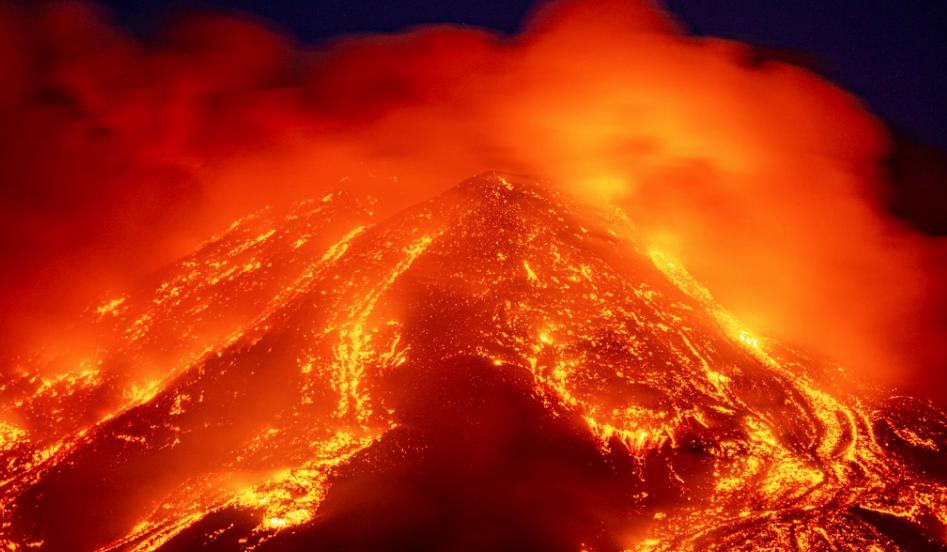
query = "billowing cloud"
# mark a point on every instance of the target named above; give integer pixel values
(120, 154)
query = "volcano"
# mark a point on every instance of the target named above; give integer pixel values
(498, 368)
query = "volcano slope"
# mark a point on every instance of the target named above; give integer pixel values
(498, 368)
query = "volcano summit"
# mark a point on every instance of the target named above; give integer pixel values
(498, 368)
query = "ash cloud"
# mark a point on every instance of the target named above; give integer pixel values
(119, 155)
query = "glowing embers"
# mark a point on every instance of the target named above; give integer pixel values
(110, 308)
(301, 359)
(354, 349)
(292, 496)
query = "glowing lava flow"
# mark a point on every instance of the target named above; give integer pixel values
(499, 361)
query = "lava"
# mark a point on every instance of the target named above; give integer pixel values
(766, 181)
(499, 367)
(675, 318)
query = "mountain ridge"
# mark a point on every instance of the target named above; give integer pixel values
(499, 341)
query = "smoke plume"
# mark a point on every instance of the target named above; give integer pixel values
(119, 154)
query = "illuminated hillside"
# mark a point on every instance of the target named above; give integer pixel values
(496, 368)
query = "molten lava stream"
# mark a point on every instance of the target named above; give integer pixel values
(499, 367)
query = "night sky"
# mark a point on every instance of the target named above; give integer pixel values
(892, 54)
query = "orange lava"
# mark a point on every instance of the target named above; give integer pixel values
(497, 365)
(678, 317)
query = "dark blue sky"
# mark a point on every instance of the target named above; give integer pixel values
(891, 53)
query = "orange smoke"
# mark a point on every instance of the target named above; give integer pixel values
(118, 155)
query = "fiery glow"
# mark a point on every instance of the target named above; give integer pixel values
(594, 357)
(761, 178)
(707, 437)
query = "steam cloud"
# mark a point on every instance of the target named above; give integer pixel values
(117, 155)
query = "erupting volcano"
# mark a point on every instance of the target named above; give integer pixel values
(676, 316)
(501, 367)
